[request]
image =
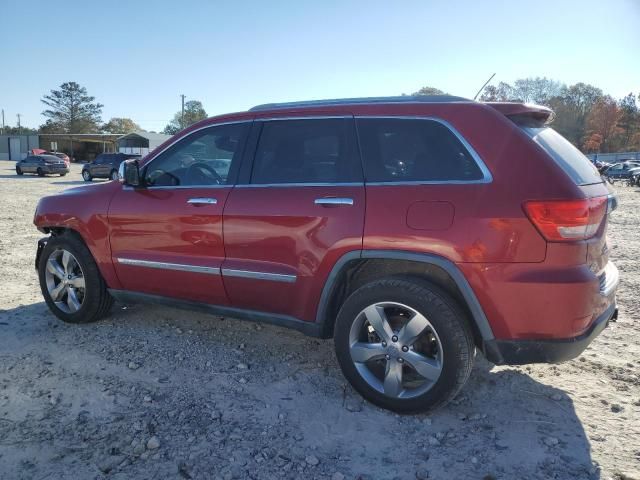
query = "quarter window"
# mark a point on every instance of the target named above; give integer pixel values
(201, 159)
(306, 151)
(397, 150)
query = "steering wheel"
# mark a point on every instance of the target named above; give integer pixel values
(199, 173)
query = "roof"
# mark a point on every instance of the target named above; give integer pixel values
(152, 137)
(361, 101)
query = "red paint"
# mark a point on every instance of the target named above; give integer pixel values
(528, 287)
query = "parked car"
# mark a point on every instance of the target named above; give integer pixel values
(105, 166)
(42, 165)
(412, 230)
(621, 171)
(61, 155)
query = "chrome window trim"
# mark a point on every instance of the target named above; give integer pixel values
(169, 266)
(298, 117)
(268, 185)
(487, 177)
(276, 277)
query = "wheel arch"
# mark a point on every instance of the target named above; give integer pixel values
(356, 268)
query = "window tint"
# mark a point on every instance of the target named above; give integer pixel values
(568, 157)
(203, 158)
(306, 151)
(406, 150)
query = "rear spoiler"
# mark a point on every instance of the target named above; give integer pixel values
(524, 114)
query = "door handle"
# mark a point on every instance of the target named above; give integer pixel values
(333, 201)
(202, 201)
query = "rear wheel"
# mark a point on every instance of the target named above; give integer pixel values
(70, 281)
(62, 174)
(86, 176)
(40, 172)
(19, 170)
(404, 344)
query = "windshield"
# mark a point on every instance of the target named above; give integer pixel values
(568, 157)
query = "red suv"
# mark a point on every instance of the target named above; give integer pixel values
(412, 230)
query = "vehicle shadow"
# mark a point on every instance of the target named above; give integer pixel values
(504, 424)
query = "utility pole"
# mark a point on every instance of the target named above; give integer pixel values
(18, 115)
(3, 121)
(182, 116)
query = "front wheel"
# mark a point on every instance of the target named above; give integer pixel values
(71, 283)
(19, 170)
(404, 344)
(86, 176)
(114, 175)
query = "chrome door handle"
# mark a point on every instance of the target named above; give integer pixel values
(333, 201)
(202, 201)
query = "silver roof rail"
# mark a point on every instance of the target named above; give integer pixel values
(361, 101)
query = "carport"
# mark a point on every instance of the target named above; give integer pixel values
(80, 146)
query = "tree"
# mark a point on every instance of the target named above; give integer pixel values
(193, 112)
(18, 131)
(72, 110)
(120, 125)
(501, 93)
(629, 123)
(603, 120)
(428, 91)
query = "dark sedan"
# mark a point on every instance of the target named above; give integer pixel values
(42, 165)
(622, 171)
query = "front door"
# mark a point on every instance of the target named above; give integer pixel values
(300, 209)
(166, 237)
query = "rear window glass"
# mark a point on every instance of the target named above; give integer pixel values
(568, 157)
(408, 150)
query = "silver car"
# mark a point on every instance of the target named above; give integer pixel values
(42, 165)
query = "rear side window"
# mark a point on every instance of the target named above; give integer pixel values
(414, 150)
(568, 157)
(306, 151)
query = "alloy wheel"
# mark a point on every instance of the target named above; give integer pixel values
(65, 281)
(396, 350)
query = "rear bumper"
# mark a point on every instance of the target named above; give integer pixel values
(520, 352)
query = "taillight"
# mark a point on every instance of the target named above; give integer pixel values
(567, 220)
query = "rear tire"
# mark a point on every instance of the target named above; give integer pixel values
(444, 349)
(19, 171)
(40, 172)
(86, 176)
(90, 299)
(62, 174)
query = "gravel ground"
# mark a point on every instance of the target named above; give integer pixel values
(153, 392)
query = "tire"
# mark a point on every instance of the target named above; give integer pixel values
(93, 301)
(448, 337)
(114, 175)
(19, 171)
(40, 172)
(86, 176)
(62, 174)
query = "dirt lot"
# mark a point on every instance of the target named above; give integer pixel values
(158, 393)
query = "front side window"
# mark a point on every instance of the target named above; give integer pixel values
(202, 159)
(306, 151)
(414, 150)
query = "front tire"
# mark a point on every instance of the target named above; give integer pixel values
(114, 175)
(71, 283)
(86, 176)
(19, 171)
(404, 344)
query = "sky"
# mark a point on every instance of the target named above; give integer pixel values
(137, 57)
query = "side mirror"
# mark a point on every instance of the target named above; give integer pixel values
(129, 173)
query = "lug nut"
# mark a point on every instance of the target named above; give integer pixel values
(384, 344)
(394, 338)
(387, 357)
(400, 360)
(405, 348)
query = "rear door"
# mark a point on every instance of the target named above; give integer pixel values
(166, 237)
(293, 214)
